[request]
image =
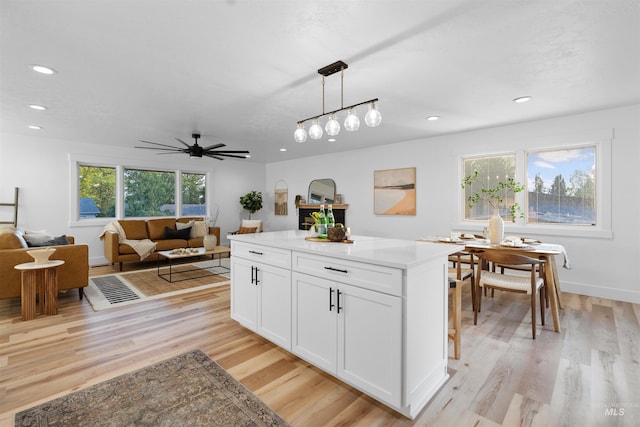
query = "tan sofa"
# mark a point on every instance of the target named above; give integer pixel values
(74, 273)
(153, 229)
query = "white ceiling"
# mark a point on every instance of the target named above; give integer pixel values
(244, 72)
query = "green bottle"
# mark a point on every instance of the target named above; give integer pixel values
(331, 221)
(322, 224)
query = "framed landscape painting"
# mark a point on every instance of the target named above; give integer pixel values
(394, 192)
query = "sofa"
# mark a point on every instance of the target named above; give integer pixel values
(153, 229)
(73, 274)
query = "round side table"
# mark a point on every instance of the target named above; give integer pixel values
(42, 279)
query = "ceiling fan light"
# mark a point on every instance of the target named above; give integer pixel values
(300, 135)
(315, 131)
(352, 122)
(333, 126)
(373, 116)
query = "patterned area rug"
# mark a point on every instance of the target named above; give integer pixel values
(115, 290)
(189, 389)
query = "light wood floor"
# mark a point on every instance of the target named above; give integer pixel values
(504, 377)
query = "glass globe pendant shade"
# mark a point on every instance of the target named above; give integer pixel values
(373, 117)
(315, 131)
(300, 135)
(333, 126)
(352, 122)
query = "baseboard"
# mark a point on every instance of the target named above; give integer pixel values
(601, 292)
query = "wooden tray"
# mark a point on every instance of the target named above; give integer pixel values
(318, 239)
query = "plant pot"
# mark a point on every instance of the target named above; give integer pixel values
(496, 227)
(210, 242)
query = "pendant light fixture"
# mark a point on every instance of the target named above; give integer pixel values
(373, 117)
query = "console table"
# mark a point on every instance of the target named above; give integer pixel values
(39, 279)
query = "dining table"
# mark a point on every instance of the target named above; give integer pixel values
(533, 248)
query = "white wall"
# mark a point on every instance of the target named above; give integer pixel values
(598, 263)
(41, 168)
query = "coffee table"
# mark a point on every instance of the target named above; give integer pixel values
(170, 256)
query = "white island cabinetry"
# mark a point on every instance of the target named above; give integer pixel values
(372, 313)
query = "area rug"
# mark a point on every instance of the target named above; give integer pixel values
(115, 290)
(190, 389)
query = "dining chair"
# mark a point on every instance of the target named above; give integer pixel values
(457, 276)
(532, 284)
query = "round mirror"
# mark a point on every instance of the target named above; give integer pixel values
(322, 191)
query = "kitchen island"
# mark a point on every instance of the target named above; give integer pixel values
(372, 313)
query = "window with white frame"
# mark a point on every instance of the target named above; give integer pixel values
(562, 186)
(113, 191)
(490, 171)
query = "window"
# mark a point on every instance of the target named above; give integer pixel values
(193, 194)
(149, 193)
(97, 195)
(490, 171)
(562, 186)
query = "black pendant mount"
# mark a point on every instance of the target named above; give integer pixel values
(333, 68)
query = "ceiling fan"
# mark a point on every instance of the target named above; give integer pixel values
(196, 150)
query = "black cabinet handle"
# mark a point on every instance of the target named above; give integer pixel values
(257, 281)
(252, 267)
(338, 295)
(331, 305)
(256, 253)
(336, 269)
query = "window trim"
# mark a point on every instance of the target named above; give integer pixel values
(601, 139)
(77, 160)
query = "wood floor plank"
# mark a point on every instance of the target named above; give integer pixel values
(503, 377)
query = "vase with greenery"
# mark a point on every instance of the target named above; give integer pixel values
(251, 202)
(502, 193)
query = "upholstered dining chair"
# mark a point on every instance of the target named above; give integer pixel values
(457, 276)
(532, 284)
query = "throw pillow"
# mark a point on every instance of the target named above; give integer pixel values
(247, 230)
(56, 241)
(183, 225)
(200, 229)
(177, 234)
(36, 238)
(252, 223)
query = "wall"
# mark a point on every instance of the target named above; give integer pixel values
(40, 167)
(598, 263)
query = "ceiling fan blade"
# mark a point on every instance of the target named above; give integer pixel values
(162, 145)
(226, 155)
(214, 146)
(185, 144)
(213, 156)
(176, 149)
(229, 152)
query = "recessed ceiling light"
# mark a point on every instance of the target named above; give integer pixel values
(34, 127)
(433, 118)
(332, 140)
(522, 99)
(283, 149)
(42, 69)
(247, 156)
(37, 107)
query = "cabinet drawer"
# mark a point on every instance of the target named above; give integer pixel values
(368, 276)
(264, 254)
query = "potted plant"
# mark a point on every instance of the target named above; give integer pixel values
(251, 202)
(496, 196)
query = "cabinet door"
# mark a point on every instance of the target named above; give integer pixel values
(370, 342)
(244, 293)
(314, 321)
(274, 304)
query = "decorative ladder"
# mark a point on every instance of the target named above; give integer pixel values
(15, 210)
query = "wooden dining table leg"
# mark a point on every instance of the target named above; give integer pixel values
(550, 276)
(556, 280)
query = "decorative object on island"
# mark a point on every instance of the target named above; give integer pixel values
(337, 233)
(281, 198)
(196, 150)
(496, 196)
(394, 192)
(351, 122)
(251, 202)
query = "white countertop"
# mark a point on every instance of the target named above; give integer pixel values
(395, 253)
